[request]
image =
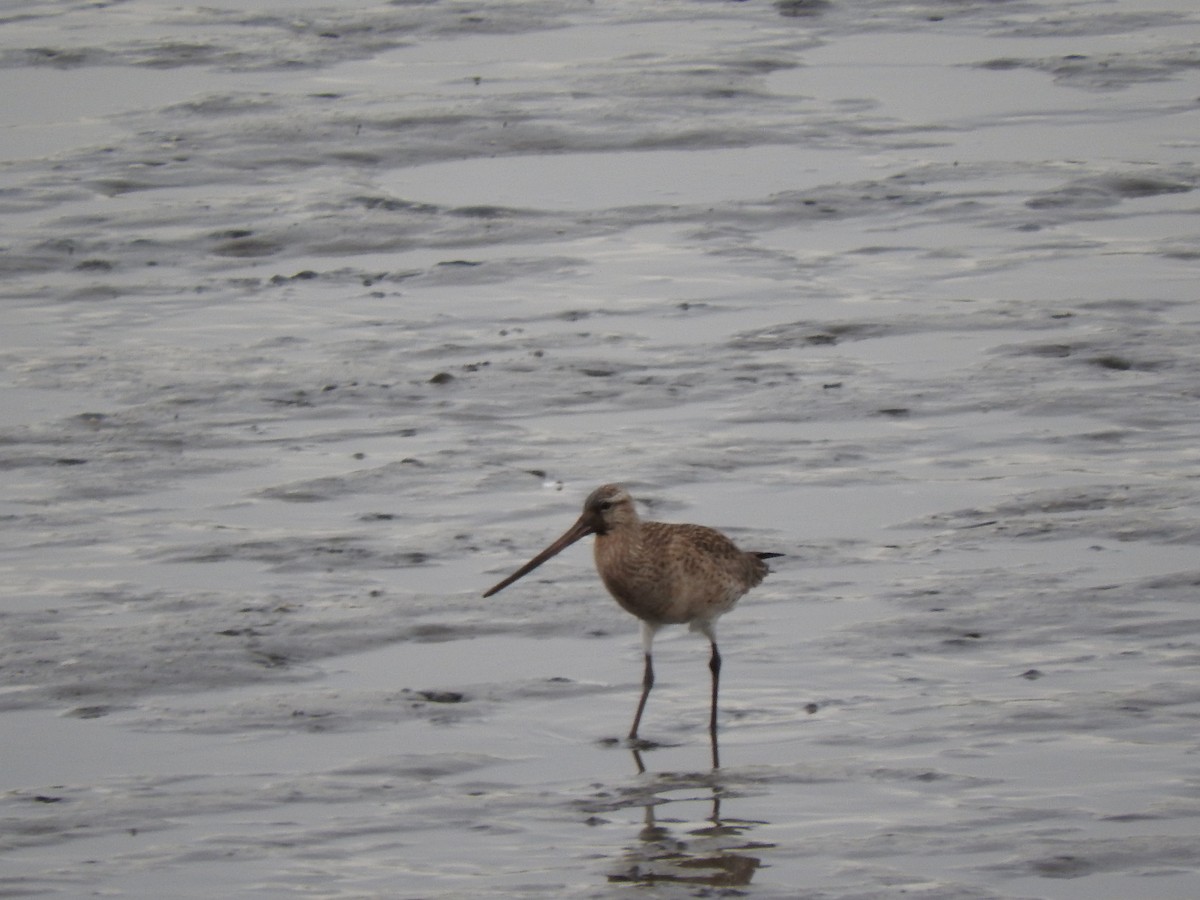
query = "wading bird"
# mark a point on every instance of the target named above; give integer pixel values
(663, 573)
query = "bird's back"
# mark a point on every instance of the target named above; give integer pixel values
(670, 574)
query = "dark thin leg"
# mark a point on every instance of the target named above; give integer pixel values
(647, 683)
(714, 665)
(637, 761)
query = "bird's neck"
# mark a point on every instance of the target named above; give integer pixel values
(623, 540)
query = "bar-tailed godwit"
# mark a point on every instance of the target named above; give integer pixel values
(663, 573)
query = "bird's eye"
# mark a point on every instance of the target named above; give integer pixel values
(604, 505)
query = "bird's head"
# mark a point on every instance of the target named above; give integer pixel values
(607, 508)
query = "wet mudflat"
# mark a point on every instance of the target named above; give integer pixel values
(316, 321)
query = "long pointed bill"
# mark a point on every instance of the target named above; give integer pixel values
(580, 529)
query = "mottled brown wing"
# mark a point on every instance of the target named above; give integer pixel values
(706, 552)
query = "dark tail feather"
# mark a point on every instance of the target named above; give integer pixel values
(768, 555)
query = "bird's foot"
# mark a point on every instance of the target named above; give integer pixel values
(632, 743)
(636, 743)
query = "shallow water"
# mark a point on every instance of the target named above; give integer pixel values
(317, 321)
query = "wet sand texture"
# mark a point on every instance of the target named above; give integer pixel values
(318, 320)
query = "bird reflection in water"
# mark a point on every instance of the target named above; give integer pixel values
(669, 850)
